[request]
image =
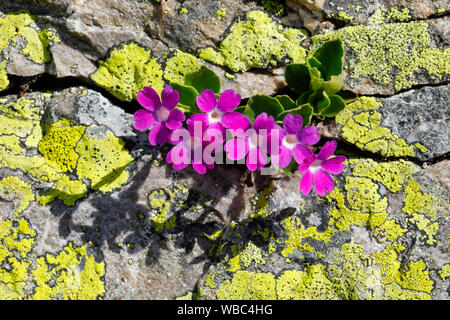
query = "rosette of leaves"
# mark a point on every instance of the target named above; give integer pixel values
(319, 81)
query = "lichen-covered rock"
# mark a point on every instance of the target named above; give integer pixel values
(362, 11)
(381, 234)
(89, 210)
(384, 58)
(411, 124)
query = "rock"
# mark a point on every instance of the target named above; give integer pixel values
(350, 245)
(362, 12)
(389, 57)
(89, 210)
(410, 124)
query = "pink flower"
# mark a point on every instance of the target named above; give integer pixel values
(256, 142)
(160, 116)
(294, 138)
(317, 169)
(217, 113)
(192, 147)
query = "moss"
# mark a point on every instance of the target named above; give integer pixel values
(127, 70)
(17, 239)
(391, 53)
(179, 65)
(58, 144)
(256, 42)
(359, 123)
(12, 187)
(71, 274)
(103, 160)
(421, 210)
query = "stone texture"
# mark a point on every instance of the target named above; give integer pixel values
(413, 124)
(89, 210)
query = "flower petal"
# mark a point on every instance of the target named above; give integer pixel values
(228, 101)
(236, 149)
(301, 152)
(199, 167)
(202, 117)
(206, 101)
(175, 118)
(334, 165)
(308, 135)
(292, 124)
(215, 132)
(148, 98)
(144, 119)
(170, 97)
(327, 150)
(283, 159)
(263, 122)
(158, 134)
(306, 183)
(179, 156)
(256, 159)
(322, 182)
(236, 121)
(304, 166)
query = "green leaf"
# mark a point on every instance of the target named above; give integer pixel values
(305, 111)
(297, 77)
(286, 102)
(334, 107)
(203, 79)
(303, 98)
(187, 93)
(261, 103)
(319, 100)
(331, 57)
(333, 85)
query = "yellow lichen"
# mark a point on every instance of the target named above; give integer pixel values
(72, 274)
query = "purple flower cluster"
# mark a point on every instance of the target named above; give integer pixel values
(205, 136)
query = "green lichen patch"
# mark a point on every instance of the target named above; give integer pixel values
(257, 42)
(164, 202)
(58, 144)
(21, 24)
(69, 191)
(390, 54)
(103, 160)
(127, 70)
(360, 124)
(179, 65)
(17, 239)
(4, 81)
(71, 274)
(12, 188)
(421, 208)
